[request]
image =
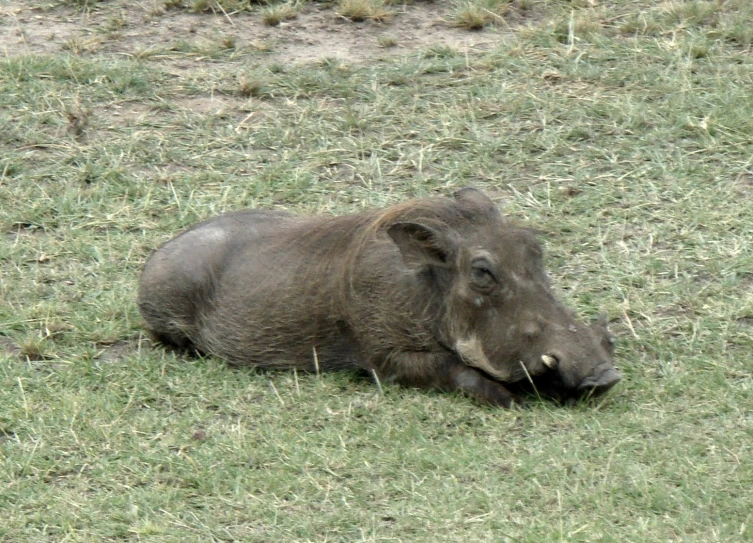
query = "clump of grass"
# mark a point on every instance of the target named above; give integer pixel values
(334, 64)
(692, 13)
(578, 25)
(228, 42)
(79, 45)
(78, 119)
(115, 23)
(364, 10)
(642, 23)
(155, 10)
(740, 32)
(729, 20)
(699, 49)
(387, 40)
(441, 51)
(476, 14)
(275, 14)
(35, 347)
(471, 17)
(200, 5)
(251, 85)
(143, 53)
(262, 46)
(219, 6)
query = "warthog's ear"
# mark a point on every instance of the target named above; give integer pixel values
(601, 327)
(473, 195)
(476, 201)
(420, 245)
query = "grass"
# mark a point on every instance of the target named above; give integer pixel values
(275, 14)
(387, 40)
(628, 149)
(476, 14)
(364, 10)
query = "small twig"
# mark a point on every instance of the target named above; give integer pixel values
(274, 388)
(496, 15)
(247, 117)
(23, 395)
(225, 14)
(316, 360)
(175, 195)
(571, 33)
(609, 464)
(629, 323)
(378, 382)
(530, 379)
(21, 33)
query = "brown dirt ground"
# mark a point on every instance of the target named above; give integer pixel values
(318, 32)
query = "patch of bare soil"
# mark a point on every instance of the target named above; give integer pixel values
(318, 32)
(118, 351)
(9, 347)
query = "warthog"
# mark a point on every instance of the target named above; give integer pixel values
(438, 293)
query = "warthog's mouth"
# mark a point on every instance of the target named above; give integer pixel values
(596, 386)
(550, 385)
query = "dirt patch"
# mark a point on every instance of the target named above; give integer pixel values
(9, 347)
(318, 32)
(118, 351)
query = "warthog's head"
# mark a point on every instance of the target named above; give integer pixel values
(498, 312)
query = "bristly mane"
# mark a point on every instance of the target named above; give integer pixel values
(340, 241)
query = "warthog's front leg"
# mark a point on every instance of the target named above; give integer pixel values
(448, 373)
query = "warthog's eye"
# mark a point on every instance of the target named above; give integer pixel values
(482, 277)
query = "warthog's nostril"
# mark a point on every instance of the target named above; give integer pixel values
(600, 383)
(550, 362)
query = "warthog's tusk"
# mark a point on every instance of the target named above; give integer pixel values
(549, 361)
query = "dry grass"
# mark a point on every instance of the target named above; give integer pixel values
(252, 85)
(275, 14)
(476, 14)
(364, 10)
(387, 40)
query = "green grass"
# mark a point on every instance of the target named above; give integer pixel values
(630, 151)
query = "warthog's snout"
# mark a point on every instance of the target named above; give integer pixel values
(595, 385)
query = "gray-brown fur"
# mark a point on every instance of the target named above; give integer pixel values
(435, 293)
